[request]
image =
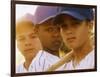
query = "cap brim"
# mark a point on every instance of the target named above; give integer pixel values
(49, 17)
(73, 14)
(44, 13)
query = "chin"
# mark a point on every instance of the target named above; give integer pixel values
(72, 46)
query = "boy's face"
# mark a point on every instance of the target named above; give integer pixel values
(27, 41)
(75, 33)
(49, 36)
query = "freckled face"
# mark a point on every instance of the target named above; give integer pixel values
(50, 36)
(27, 41)
(74, 32)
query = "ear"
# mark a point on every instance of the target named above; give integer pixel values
(90, 25)
(90, 28)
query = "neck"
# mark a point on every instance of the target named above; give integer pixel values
(27, 63)
(81, 52)
(56, 52)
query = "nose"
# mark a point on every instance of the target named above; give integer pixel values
(27, 42)
(67, 30)
(56, 33)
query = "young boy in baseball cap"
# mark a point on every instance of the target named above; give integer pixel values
(76, 24)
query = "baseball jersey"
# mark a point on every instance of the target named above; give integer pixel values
(40, 63)
(86, 63)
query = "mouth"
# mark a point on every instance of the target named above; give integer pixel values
(28, 50)
(71, 39)
(57, 43)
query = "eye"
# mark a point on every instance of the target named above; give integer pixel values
(21, 39)
(50, 29)
(64, 26)
(76, 23)
(33, 36)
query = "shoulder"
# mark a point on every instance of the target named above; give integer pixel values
(49, 55)
(19, 67)
(88, 61)
(49, 58)
(91, 55)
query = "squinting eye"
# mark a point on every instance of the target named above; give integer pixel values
(33, 36)
(76, 23)
(50, 30)
(64, 26)
(21, 39)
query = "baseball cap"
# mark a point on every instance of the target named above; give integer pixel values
(80, 13)
(30, 17)
(44, 13)
(27, 17)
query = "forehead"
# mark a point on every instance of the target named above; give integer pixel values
(62, 18)
(68, 17)
(24, 26)
(48, 24)
(28, 34)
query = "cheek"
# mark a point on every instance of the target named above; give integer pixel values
(82, 35)
(20, 47)
(63, 35)
(36, 43)
(42, 36)
(46, 38)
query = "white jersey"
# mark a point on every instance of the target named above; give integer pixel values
(41, 62)
(86, 63)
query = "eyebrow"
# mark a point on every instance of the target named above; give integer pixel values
(32, 34)
(19, 36)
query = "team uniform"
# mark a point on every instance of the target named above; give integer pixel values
(40, 63)
(86, 63)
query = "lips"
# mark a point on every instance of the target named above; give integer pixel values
(57, 42)
(71, 39)
(29, 49)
